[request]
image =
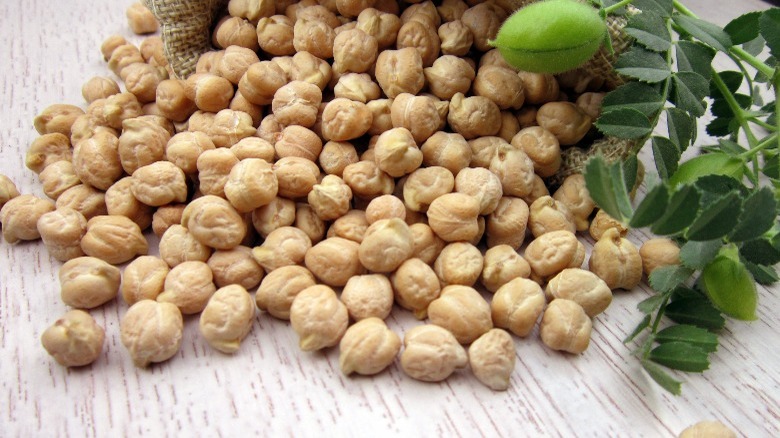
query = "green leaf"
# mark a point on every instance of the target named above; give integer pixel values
(685, 293)
(696, 255)
(697, 311)
(682, 209)
(662, 378)
(663, 8)
(649, 29)
(721, 108)
(721, 126)
(680, 356)
(755, 46)
(716, 163)
(729, 285)
(689, 334)
(733, 80)
(643, 65)
(666, 156)
(769, 24)
(643, 324)
(682, 128)
(694, 56)
(688, 92)
(650, 305)
(651, 208)
(760, 251)
(766, 275)
(606, 185)
(666, 278)
(716, 219)
(624, 123)
(730, 147)
(630, 172)
(743, 28)
(772, 166)
(758, 216)
(704, 31)
(635, 95)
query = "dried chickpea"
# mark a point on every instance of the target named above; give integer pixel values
(427, 245)
(229, 127)
(451, 10)
(184, 148)
(120, 201)
(508, 223)
(367, 180)
(516, 306)
(19, 217)
(159, 183)
(602, 222)
(61, 231)
(357, 86)
(542, 147)
(142, 80)
(275, 35)
(298, 141)
(658, 252)
(260, 81)
(565, 326)
(143, 279)
(110, 44)
(334, 261)
(456, 38)
(483, 149)
(214, 166)
(415, 286)
(251, 184)
(235, 32)
(422, 37)
(474, 116)
(214, 222)
(235, 266)
(165, 216)
(177, 245)
(449, 75)
(484, 21)
(318, 317)
(385, 207)
(313, 36)
(396, 152)
(9, 191)
(296, 176)
(426, 184)
(459, 263)
(283, 246)
(141, 19)
(616, 261)
(400, 71)
(85, 199)
(151, 331)
(210, 92)
(46, 150)
(380, 120)
(526, 116)
(335, 156)
(418, 114)
(708, 429)
(368, 296)
(381, 25)
(153, 51)
(501, 265)
(86, 126)
(368, 347)
(57, 118)
(278, 289)
(114, 110)
(509, 126)
(307, 67)
(492, 359)
(386, 244)
(353, 8)
(583, 287)
(207, 61)
(423, 12)
(590, 103)
(99, 87)
(574, 194)
(553, 252)
(462, 311)
(514, 169)
(235, 62)
(565, 120)
(74, 340)
(321, 13)
(227, 318)
(546, 214)
(538, 190)
(354, 51)
(344, 119)
(88, 282)
(501, 85)
(431, 353)
(453, 217)
(115, 239)
(540, 88)
(188, 286)
(483, 185)
(172, 100)
(330, 199)
(96, 160)
(142, 142)
(351, 226)
(297, 103)
(278, 213)
(253, 147)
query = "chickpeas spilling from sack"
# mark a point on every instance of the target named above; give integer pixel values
(329, 163)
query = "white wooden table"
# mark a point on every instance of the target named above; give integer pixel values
(269, 387)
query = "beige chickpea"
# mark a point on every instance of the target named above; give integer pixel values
(9, 191)
(307, 221)
(459, 263)
(400, 71)
(484, 21)
(423, 12)
(474, 116)
(658, 252)
(151, 331)
(386, 244)
(427, 245)
(451, 10)
(275, 35)
(141, 19)
(344, 119)
(61, 231)
(553, 252)
(57, 118)
(431, 353)
(542, 147)
(278, 213)
(260, 82)
(143, 279)
(357, 86)
(449, 75)
(492, 359)
(574, 194)
(514, 169)
(381, 25)
(526, 116)
(188, 286)
(142, 80)
(110, 44)
(546, 214)
(368, 347)
(296, 176)
(74, 340)
(142, 142)
(517, 305)
(385, 207)
(590, 103)
(240, 104)
(501, 265)
(462, 311)
(115, 239)
(396, 152)
(318, 317)
(483, 185)
(426, 184)
(214, 222)
(120, 201)
(453, 217)
(114, 110)
(235, 266)
(540, 88)
(418, 114)
(368, 296)
(88, 282)
(456, 38)
(565, 326)
(381, 120)
(602, 222)
(46, 150)
(278, 289)
(283, 246)
(99, 87)
(354, 51)
(352, 226)
(178, 245)
(214, 166)
(251, 184)
(172, 100)
(565, 120)
(235, 62)
(330, 199)
(616, 261)
(353, 8)
(415, 286)
(307, 67)
(422, 37)
(159, 183)
(184, 148)
(253, 147)
(227, 318)
(483, 149)
(708, 429)
(501, 85)
(229, 127)
(367, 180)
(165, 216)
(85, 199)
(96, 160)
(510, 126)
(19, 217)
(298, 141)
(337, 155)
(583, 287)
(508, 223)
(313, 36)
(153, 51)
(297, 103)
(538, 190)
(123, 56)
(334, 261)
(210, 92)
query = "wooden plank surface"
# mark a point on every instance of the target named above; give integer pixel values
(269, 386)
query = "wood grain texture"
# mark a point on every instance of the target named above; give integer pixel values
(270, 387)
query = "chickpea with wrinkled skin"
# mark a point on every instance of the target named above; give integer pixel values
(184, 148)
(422, 37)
(209, 91)
(357, 86)
(574, 194)
(188, 286)
(386, 244)
(354, 51)
(159, 183)
(229, 127)
(61, 231)
(385, 207)
(99, 87)
(459, 263)
(427, 245)
(307, 67)
(602, 222)
(415, 286)
(708, 429)
(368, 347)
(456, 38)
(345, 119)
(235, 266)
(151, 332)
(501, 85)
(114, 110)
(492, 359)
(142, 142)
(330, 199)
(553, 252)
(141, 19)
(278, 289)
(565, 120)
(284, 246)
(96, 160)
(142, 80)
(251, 184)
(19, 217)
(334, 261)
(449, 75)
(227, 318)
(453, 217)
(501, 265)
(295, 176)
(278, 213)
(120, 201)
(124, 56)
(565, 326)
(474, 116)
(8, 190)
(166, 216)
(419, 114)
(74, 340)
(583, 287)
(381, 120)
(261, 81)
(483, 185)
(110, 44)
(335, 156)
(177, 245)
(400, 71)
(540, 88)
(508, 223)
(318, 317)
(381, 25)
(114, 239)
(57, 118)
(462, 311)
(367, 180)
(517, 305)
(88, 282)
(483, 149)
(172, 100)
(426, 184)
(214, 222)
(298, 141)
(297, 103)
(351, 226)
(616, 261)
(143, 279)
(313, 36)
(514, 169)
(546, 214)
(542, 147)
(235, 62)
(431, 353)
(214, 166)
(253, 147)
(396, 152)
(368, 296)
(85, 199)
(275, 35)
(235, 32)
(46, 150)
(658, 252)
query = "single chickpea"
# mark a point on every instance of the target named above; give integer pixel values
(565, 120)
(381, 25)
(229, 127)
(251, 184)
(368, 296)
(153, 51)
(214, 166)
(483, 20)
(46, 150)
(85, 199)
(210, 92)
(336, 156)
(508, 223)
(449, 75)
(172, 100)
(165, 216)
(235, 32)
(275, 35)
(85, 126)
(590, 103)
(400, 71)
(141, 19)
(538, 190)
(297, 103)
(451, 10)
(422, 37)
(151, 331)
(344, 119)
(178, 245)
(19, 217)
(235, 266)
(602, 222)
(57, 118)
(296, 176)
(96, 160)
(453, 217)
(235, 62)
(313, 36)
(208, 61)
(540, 88)
(188, 286)
(143, 279)
(418, 114)
(501, 265)
(114, 239)
(120, 201)
(431, 353)
(459, 263)
(61, 231)
(110, 44)
(159, 183)
(354, 51)
(565, 326)
(385, 207)
(74, 340)
(415, 286)
(367, 180)
(546, 214)
(276, 214)
(353, 8)
(423, 12)
(396, 152)
(427, 245)
(526, 116)
(553, 252)
(574, 194)
(474, 116)
(483, 149)
(99, 87)
(517, 305)
(142, 80)
(708, 429)
(334, 261)
(253, 147)
(283, 246)
(462, 311)
(658, 252)
(9, 191)
(227, 318)
(330, 199)
(426, 184)
(386, 244)
(142, 142)
(279, 288)
(240, 104)
(514, 169)
(616, 261)
(184, 148)
(456, 38)
(318, 317)
(501, 85)
(214, 222)
(492, 359)
(114, 110)
(483, 185)
(368, 347)
(88, 282)
(542, 147)
(583, 287)
(260, 81)
(358, 87)
(307, 67)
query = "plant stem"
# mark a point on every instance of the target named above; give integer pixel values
(681, 8)
(610, 9)
(752, 60)
(739, 113)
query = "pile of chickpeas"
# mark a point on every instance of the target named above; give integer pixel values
(343, 159)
